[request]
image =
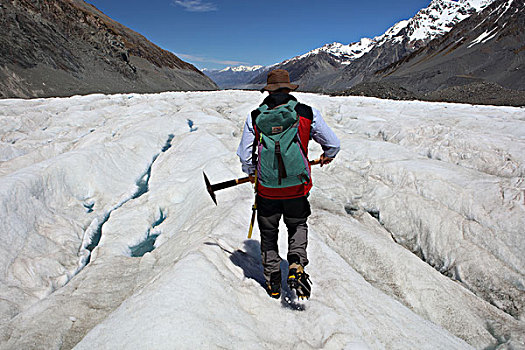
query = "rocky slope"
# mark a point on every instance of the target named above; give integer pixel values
(62, 48)
(478, 93)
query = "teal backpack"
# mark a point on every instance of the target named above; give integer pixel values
(281, 161)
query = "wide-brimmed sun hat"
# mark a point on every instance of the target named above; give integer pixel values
(278, 79)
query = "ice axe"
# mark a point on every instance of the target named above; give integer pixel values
(222, 185)
(230, 183)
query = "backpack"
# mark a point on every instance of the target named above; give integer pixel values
(281, 161)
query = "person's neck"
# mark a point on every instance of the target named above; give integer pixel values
(277, 99)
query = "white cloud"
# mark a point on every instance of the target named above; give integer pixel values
(196, 5)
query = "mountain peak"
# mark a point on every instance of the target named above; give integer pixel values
(242, 68)
(234, 77)
(433, 21)
(477, 4)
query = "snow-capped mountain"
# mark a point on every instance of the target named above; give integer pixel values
(241, 68)
(344, 54)
(429, 23)
(402, 38)
(486, 47)
(234, 77)
(439, 18)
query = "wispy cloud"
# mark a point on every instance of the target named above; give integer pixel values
(210, 60)
(196, 5)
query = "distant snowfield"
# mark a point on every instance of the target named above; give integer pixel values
(416, 238)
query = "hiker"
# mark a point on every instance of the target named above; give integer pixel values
(275, 143)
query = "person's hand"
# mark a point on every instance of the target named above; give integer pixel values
(252, 178)
(325, 160)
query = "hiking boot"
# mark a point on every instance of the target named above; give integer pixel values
(299, 281)
(273, 287)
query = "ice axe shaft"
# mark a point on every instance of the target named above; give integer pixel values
(230, 183)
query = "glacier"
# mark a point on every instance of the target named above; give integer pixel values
(110, 240)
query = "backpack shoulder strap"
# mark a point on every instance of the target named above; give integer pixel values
(255, 113)
(304, 111)
(262, 108)
(293, 104)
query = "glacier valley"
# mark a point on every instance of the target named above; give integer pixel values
(109, 239)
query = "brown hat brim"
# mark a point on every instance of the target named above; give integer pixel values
(277, 86)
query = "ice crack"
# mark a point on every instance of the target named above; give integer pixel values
(148, 244)
(167, 145)
(190, 124)
(96, 235)
(94, 231)
(145, 246)
(143, 182)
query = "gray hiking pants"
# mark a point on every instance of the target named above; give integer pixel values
(295, 212)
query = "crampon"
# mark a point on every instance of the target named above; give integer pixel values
(299, 281)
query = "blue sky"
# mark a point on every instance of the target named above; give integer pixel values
(220, 33)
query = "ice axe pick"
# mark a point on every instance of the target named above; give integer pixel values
(222, 185)
(230, 183)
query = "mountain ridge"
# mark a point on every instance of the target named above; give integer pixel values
(62, 48)
(398, 64)
(402, 38)
(235, 77)
(480, 61)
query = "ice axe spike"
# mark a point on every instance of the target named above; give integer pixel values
(230, 183)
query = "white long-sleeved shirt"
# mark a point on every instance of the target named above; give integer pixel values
(320, 132)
